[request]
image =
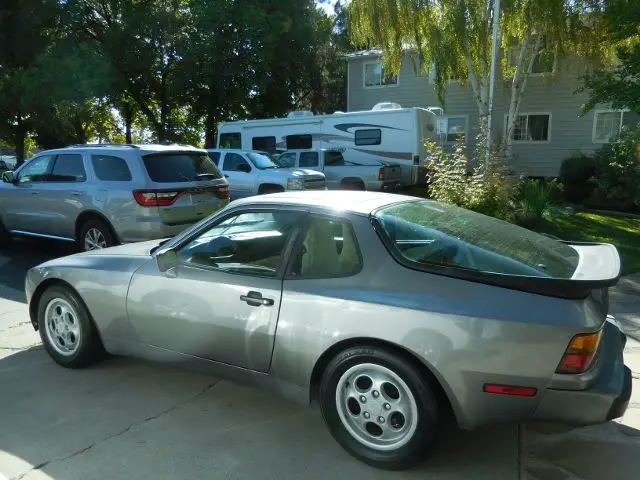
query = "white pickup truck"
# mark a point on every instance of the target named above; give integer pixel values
(341, 173)
(254, 173)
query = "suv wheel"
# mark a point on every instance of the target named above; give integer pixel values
(5, 236)
(95, 235)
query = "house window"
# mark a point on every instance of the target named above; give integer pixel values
(375, 76)
(264, 144)
(607, 125)
(450, 129)
(531, 127)
(370, 136)
(298, 142)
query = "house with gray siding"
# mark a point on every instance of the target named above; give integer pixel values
(549, 127)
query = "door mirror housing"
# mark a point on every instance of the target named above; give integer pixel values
(167, 260)
(9, 176)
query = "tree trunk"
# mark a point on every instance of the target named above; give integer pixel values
(127, 116)
(518, 84)
(19, 139)
(210, 129)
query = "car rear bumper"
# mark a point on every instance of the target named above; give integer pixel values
(605, 397)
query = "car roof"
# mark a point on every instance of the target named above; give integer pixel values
(142, 148)
(358, 202)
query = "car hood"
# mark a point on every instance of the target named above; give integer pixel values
(129, 250)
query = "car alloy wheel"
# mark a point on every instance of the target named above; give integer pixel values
(62, 326)
(376, 406)
(94, 240)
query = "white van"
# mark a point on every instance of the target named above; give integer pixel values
(388, 133)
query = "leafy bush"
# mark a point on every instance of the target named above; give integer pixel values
(535, 199)
(576, 175)
(617, 172)
(481, 184)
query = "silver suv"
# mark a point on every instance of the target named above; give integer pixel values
(101, 195)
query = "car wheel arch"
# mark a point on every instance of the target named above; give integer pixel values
(355, 181)
(93, 214)
(266, 187)
(445, 397)
(43, 287)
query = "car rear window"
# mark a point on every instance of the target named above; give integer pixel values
(429, 233)
(180, 167)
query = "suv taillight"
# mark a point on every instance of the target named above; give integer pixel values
(580, 353)
(381, 174)
(154, 198)
(222, 192)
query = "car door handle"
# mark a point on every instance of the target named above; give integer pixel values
(255, 299)
(226, 176)
(35, 193)
(76, 194)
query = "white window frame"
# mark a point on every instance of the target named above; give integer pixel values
(447, 117)
(371, 87)
(595, 119)
(530, 142)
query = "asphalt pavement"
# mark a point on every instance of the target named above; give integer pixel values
(128, 419)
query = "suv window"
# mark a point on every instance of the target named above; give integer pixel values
(180, 167)
(234, 162)
(309, 159)
(329, 249)
(35, 170)
(247, 243)
(68, 168)
(110, 169)
(215, 157)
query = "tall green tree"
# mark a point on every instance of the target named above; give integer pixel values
(454, 37)
(620, 84)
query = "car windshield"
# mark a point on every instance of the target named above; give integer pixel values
(429, 233)
(261, 161)
(180, 167)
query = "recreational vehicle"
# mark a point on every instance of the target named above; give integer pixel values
(387, 133)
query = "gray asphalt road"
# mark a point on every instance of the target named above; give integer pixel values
(126, 419)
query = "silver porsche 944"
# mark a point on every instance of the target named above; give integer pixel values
(390, 312)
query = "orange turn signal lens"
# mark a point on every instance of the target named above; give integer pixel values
(580, 353)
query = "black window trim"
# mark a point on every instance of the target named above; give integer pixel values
(53, 165)
(551, 287)
(378, 142)
(300, 241)
(286, 252)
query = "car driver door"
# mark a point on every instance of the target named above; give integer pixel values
(222, 299)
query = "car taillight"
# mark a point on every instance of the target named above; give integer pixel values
(154, 198)
(381, 174)
(223, 193)
(580, 353)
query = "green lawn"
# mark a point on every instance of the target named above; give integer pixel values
(622, 232)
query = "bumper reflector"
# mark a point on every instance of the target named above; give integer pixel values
(509, 390)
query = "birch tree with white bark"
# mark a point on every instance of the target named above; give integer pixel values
(454, 37)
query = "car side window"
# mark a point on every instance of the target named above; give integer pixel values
(246, 243)
(110, 169)
(333, 159)
(36, 170)
(329, 249)
(215, 157)
(234, 162)
(287, 160)
(309, 159)
(68, 168)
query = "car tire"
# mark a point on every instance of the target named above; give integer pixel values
(367, 392)
(67, 330)
(266, 189)
(353, 185)
(95, 232)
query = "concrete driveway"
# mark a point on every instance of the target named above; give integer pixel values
(128, 419)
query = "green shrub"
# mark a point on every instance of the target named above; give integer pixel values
(481, 184)
(534, 201)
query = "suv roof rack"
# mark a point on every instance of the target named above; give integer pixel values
(100, 145)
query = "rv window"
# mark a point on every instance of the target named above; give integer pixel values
(264, 144)
(230, 140)
(371, 136)
(309, 159)
(298, 142)
(332, 159)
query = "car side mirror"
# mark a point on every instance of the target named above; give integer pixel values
(167, 262)
(9, 176)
